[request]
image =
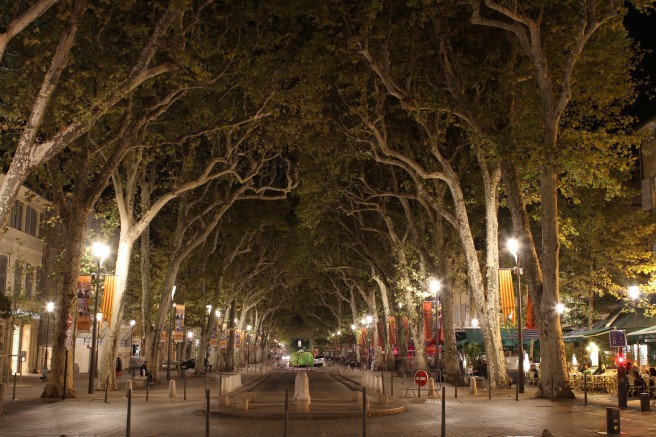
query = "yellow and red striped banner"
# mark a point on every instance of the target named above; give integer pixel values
(507, 294)
(108, 298)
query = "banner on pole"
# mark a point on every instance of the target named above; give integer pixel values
(507, 295)
(428, 320)
(84, 303)
(381, 329)
(107, 306)
(178, 334)
(392, 329)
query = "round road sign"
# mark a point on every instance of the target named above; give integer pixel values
(421, 378)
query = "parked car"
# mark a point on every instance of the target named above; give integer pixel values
(190, 364)
(351, 362)
(319, 361)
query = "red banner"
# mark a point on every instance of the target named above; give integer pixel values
(381, 330)
(392, 329)
(428, 320)
(83, 303)
(405, 323)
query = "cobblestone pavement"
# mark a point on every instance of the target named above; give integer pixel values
(468, 415)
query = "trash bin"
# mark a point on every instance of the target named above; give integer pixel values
(644, 401)
(612, 420)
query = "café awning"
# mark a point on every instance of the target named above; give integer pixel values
(646, 335)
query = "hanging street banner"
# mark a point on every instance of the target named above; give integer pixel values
(224, 338)
(238, 337)
(107, 306)
(84, 303)
(392, 330)
(428, 320)
(178, 334)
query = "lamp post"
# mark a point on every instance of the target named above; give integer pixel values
(190, 336)
(634, 294)
(100, 251)
(366, 322)
(513, 247)
(49, 307)
(339, 333)
(132, 323)
(434, 286)
(248, 344)
(168, 342)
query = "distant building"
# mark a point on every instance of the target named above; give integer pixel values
(22, 280)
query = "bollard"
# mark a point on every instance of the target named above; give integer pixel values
(285, 434)
(456, 388)
(392, 384)
(127, 426)
(364, 412)
(207, 412)
(220, 381)
(13, 396)
(644, 401)
(552, 388)
(184, 389)
(128, 387)
(147, 389)
(621, 394)
(489, 385)
(612, 420)
(517, 385)
(172, 392)
(443, 411)
(2, 398)
(106, 388)
(473, 389)
(585, 389)
(382, 380)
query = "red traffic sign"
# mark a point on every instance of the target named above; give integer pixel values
(421, 378)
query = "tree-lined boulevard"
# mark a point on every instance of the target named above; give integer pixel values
(453, 186)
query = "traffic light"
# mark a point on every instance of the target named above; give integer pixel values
(619, 360)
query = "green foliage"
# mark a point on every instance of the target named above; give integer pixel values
(301, 359)
(5, 307)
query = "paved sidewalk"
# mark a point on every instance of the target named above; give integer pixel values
(468, 415)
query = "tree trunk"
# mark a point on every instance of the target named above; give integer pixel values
(146, 286)
(107, 360)
(230, 349)
(552, 349)
(74, 233)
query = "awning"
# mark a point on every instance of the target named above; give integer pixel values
(508, 336)
(581, 335)
(646, 335)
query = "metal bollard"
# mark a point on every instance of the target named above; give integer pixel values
(392, 384)
(364, 412)
(147, 389)
(207, 412)
(644, 401)
(489, 385)
(612, 420)
(443, 412)
(456, 388)
(127, 427)
(382, 380)
(552, 388)
(585, 389)
(13, 396)
(106, 388)
(286, 430)
(2, 398)
(185, 387)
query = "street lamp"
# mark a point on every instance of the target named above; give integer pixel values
(132, 323)
(190, 336)
(434, 286)
(634, 294)
(513, 246)
(168, 343)
(100, 251)
(50, 306)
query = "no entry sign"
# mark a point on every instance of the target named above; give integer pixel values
(421, 378)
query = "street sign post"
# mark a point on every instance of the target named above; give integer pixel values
(617, 338)
(421, 379)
